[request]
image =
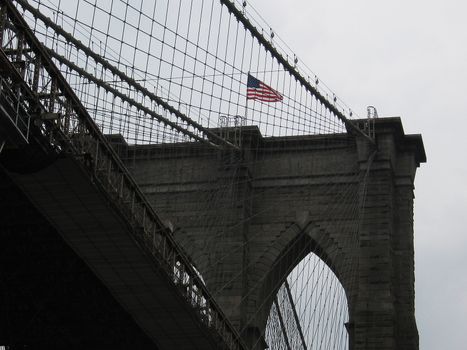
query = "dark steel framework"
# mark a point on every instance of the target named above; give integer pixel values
(46, 111)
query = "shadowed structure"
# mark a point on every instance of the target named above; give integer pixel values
(269, 190)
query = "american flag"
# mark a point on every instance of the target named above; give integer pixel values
(257, 90)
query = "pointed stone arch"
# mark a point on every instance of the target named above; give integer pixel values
(294, 243)
(285, 173)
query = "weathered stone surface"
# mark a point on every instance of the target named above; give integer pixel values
(247, 218)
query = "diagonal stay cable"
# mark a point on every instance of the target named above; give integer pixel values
(222, 326)
(282, 324)
(294, 311)
(269, 47)
(132, 82)
(122, 96)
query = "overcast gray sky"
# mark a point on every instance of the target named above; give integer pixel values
(408, 58)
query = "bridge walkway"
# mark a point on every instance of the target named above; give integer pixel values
(70, 172)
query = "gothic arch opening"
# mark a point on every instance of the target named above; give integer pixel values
(309, 283)
(310, 309)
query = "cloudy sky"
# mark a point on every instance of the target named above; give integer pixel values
(409, 59)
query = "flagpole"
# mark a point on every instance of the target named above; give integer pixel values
(246, 110)
(246, 113)
(246, 104)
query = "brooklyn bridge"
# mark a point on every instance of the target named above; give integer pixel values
(174, 177)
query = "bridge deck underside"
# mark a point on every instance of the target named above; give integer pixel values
(92, 227)
(49, 296)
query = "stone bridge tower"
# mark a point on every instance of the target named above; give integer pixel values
(247, 218)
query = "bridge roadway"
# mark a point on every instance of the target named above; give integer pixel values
(49, 296)
(78, 183)
(70, 200)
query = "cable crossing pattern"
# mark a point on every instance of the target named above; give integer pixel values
(121, 83)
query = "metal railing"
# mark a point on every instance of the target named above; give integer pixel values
(65, 123)
(13, 107)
